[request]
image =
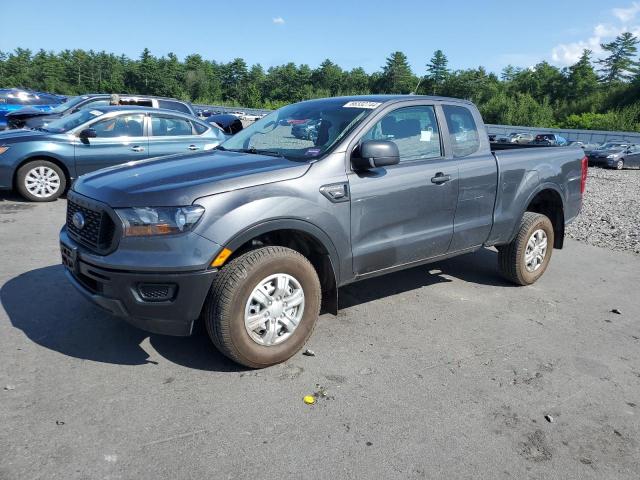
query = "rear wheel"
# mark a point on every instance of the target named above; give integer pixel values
(40, 181)
(525, 259)
(263, 306)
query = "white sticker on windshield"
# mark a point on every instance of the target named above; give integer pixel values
(95, 113)
(425, 135)
(362, 104)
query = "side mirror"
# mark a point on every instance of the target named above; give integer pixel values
(374, 154)
(88, 133)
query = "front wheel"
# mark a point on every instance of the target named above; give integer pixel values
(620, 164)
(263, 306)
(525, 259)
(41, 181)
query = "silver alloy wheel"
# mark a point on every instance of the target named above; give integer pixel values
(274, 309)
(42, 182)
(620, 165)
(536, 250)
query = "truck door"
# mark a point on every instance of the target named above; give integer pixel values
(404, 212)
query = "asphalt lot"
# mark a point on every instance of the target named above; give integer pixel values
(441, 371)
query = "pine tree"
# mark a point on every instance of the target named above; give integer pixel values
(437, 71)
(396, 75)
(620, 65)
(582, 78)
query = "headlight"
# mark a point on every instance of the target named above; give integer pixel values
(145, 221)
(611, 156)
(3, 149)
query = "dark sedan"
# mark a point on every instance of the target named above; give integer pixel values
(617, 157)
(227, 122)
(41, 163)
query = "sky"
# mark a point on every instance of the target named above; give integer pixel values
(350, 33)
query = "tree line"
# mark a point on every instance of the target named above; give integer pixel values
(593, 94)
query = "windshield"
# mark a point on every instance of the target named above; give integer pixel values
(67, 123)
(63, 107)
(302, 131)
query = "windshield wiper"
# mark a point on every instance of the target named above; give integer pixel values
(256, 151)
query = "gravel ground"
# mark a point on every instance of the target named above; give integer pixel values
(610, 216)
(442, 371)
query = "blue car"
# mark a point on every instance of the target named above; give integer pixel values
(13, 99)
(41, 164)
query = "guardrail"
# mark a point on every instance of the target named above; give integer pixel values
(573, 135)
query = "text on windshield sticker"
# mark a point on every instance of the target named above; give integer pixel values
(361, 104)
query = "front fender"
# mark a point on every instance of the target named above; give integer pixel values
(234, 218)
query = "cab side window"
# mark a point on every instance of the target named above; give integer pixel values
(129, 125)
(463, 131)
(413, 129)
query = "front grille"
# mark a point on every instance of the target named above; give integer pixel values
(98, 230)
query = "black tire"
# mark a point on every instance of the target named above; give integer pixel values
(43, 164)
(620, 164)
(511, 257)
(224, 308)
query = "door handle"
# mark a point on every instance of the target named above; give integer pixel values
(193, 147)
(137, 148)
(440, 178)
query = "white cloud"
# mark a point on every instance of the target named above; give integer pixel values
(627, 14)
(278, 20)
(569, 53)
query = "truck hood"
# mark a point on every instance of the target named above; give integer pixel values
(181, 179)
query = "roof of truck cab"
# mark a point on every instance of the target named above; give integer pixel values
(394, 97)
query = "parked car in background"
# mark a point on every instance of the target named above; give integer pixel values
(584, 146)
(256, 236)
(15, 99)
(306, 131)
(550, 139)
(521, 138)
(615, 156)
(31, 118)
(41, 163)
(230, 124)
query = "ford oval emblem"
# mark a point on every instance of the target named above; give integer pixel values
(78, 220)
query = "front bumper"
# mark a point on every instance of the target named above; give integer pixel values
(122, 293)
(601, 161)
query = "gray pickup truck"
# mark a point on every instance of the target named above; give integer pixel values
(256, 237)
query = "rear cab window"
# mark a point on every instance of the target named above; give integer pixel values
(463, 131)
(141, 102)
